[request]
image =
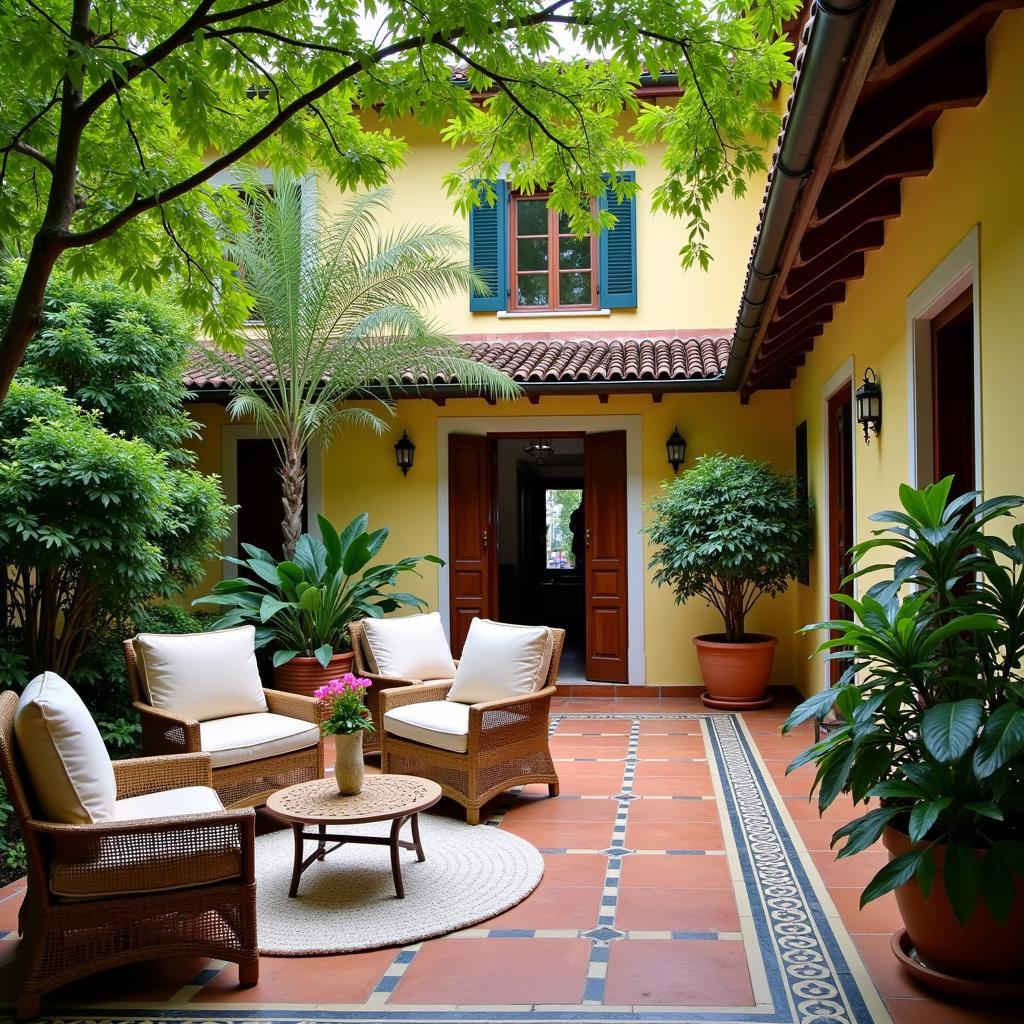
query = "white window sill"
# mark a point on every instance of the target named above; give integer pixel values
(549, 314)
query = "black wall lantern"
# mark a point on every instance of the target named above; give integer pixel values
(404, 449)
(676, 448)
(869, 404)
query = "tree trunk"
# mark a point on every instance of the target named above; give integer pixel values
(293, 482)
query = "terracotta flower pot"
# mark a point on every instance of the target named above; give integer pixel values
(736, 675)
(981, 950)
(348, 762)
(304, 675)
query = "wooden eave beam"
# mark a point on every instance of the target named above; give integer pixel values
(870, 236)
(903, 156)
(775, 347)
(916, 31)
(782, 359)
(882, 203)
(818, 315)
(953, 78)
(798, 307)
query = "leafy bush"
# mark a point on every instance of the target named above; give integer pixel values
(303, 607)
(729, 530)
(931, 703)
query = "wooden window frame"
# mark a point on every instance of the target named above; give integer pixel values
(553, 272)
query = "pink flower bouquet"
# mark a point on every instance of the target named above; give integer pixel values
(345, 699)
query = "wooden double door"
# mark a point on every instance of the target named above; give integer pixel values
(472, 545)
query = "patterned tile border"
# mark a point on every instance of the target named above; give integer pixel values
(804, 967)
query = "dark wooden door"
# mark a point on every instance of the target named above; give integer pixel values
(259, 494)
(953, 395)
(472, 574)
(840, 507)
(604, 500)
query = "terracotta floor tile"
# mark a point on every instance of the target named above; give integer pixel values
(567, 835)
(675, 785)
(673, 747)
(816, 835)
(466, 971)
(937, 1010)
(608, 728)
(314, 979)
(670, 726)
(673, 810)
(155, 980)
(662, 835)
(572, 869)
(678, 871)
(678, 973)
(802, 809)
(530, 808)
(681, 910)
(553, 906)
(585, 784)
(850, 871)
(880, 916)
(886, 971)
(676, 769)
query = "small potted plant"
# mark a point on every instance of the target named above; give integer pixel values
(930, 732)
(729, 531)
(346, 717)
(302, 606)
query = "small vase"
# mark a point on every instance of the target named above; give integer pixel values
(348, 762)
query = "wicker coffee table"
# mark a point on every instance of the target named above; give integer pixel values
(394, 798)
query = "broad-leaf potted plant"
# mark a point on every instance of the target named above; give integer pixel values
(729, 531)
(930, 733)
(302, 606)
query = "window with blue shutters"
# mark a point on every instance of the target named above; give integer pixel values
(488, 250)
(531, 262)
(618, 251)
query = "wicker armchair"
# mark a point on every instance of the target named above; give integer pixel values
(134, 889)
(249, 783)
(507, 743)
(372, 740)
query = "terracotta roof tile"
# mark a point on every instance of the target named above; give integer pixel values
(603, 361)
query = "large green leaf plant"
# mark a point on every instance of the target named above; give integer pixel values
(931, 703)
(303, 606)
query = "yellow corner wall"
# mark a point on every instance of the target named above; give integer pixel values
(979, 154)
(360, 476)
(668, 298)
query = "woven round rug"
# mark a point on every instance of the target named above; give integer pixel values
(347, 901)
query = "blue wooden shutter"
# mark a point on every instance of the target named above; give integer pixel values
(617, 288)
(488, 250)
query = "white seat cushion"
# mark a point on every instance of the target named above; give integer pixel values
(201, 675)
(168, 803)
(243, 738)
(409, 647)
(437, 723)
(500, 661)
(63, 751)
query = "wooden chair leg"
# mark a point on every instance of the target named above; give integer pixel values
(248, 973)
(28, 1006)
(553, 789)
(472, 815)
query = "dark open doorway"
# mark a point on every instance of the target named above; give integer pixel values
(260, 511)
(840, 508)
(953, 386)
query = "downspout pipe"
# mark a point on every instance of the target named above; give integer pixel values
(819, 74)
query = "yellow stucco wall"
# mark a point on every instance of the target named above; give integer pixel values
(668, 297)
(360, 476)
(975, 182)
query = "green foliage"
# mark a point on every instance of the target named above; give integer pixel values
(931, 702)
(114, 352)
(338, 314)
(303, 606)
(151, 89)
(728, 530)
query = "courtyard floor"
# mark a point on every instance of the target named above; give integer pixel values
(686, 880)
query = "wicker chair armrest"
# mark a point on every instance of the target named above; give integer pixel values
(513, 715)
(164, 732)
(390, 682)
(106, 844)
(538, 696)
(418, 694)
(295, 705)
(139, 776)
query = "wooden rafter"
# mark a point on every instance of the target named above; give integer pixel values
(882, 203)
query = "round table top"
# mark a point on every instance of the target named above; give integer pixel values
(382, 798)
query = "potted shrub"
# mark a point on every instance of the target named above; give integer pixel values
(729, 531)
(930, 713)
(302, 606)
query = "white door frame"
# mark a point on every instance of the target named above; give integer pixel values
(842, 378)
(230, 435)
(952, 276)
(633, 426)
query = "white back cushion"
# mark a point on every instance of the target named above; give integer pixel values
(67, 763)
(410, 647)
(500, 661)
(201, 675)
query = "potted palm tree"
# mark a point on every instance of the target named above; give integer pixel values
(301, 607)
(729, 531)
(930, 734)
(335, 312)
